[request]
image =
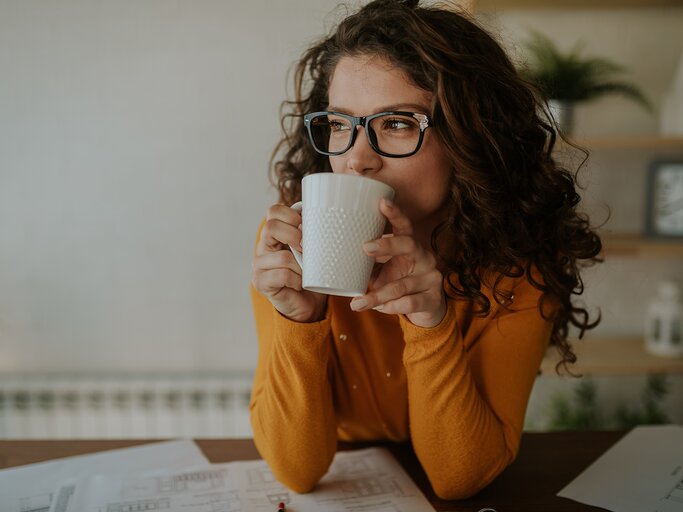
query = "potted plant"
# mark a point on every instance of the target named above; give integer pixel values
(585, 411)
(568, 78)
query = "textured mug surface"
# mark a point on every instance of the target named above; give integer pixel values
(340, 212)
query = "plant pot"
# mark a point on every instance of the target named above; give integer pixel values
(563, 114)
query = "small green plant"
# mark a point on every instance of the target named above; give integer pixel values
(656, 389)
(572, 78)
(585, 413)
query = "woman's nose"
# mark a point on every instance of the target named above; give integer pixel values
(361, 158)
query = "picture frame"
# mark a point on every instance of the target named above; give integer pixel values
(664, 199)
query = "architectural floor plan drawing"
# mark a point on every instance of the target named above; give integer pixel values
(209, 489)
(369, 480)
(37, 503)
(140, 505)
(31, 488)
(260, 476)
(193, 481)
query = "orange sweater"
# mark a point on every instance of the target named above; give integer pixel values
(458, 391)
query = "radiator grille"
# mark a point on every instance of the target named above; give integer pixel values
(124, 406)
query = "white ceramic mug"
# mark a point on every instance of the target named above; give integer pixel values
(340, 212)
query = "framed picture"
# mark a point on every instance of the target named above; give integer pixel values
(664, 201)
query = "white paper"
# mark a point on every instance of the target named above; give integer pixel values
(642, 472)
(369, 480)
(204, 489)
(30, 488)
(672, 502)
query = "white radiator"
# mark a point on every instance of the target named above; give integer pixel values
(110, 406)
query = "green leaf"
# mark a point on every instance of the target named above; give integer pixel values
(571, 77)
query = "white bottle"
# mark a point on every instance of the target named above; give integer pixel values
(664, 322)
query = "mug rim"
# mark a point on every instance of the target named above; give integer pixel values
(348, 176)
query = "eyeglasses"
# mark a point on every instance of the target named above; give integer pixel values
(391, 134)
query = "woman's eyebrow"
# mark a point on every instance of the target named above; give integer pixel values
(385, 108)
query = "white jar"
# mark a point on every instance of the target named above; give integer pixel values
(664, 321)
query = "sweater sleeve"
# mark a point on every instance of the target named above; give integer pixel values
(466, 408)
(291, 407)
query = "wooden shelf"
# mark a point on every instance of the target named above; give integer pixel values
(612, 356)
(570, 4)
(639, 142)
(635, 245)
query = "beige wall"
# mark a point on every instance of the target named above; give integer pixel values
(134, 139)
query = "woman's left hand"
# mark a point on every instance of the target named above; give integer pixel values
(409, 281)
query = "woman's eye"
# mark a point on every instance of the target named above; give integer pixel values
(398, 124)
(337, 126)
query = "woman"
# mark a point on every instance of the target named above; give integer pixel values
(472, 283)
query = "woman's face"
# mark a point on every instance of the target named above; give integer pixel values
(366, 85)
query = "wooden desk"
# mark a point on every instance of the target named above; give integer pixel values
(545, 464)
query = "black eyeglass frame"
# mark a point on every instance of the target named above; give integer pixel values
(364, 121)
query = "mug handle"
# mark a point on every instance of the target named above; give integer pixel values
(298, 206)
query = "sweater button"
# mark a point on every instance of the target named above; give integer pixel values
(343, 337)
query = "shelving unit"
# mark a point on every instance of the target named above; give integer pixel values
(612, 356)
(636, 142)
(638, 246)
(623, 355)
(633, 244)
(571, 4)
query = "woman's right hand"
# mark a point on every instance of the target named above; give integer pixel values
(275, 272)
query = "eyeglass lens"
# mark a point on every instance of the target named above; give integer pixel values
(393, 134)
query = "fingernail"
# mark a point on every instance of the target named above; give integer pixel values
(358, 304)
(389, 203)
(379, 308)
(370, 246)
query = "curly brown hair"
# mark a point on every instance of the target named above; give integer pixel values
(512, 206)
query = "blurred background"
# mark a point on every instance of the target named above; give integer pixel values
(134, 143)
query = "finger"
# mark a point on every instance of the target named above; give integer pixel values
(283, 213)
(400, 224)
(409, 304)
(415, 259)
(384, 259)
(406, 286)
(276, 234)
(273, 260)
(271, 282)
(279, 215)
(391, 246)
